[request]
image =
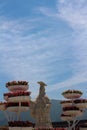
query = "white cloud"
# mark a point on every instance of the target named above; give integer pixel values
(76, 79)
(25, 50)
(28, 54)
(74, 12)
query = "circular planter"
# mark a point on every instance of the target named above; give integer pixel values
(66, 103)
(73, 112)
(19, 99)
(81, 105)
(14, 88)
(72, 95)
(18, 108)
(67, 117)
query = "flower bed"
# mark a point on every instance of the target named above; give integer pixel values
(15, 106)
(19, 99)
(15, 88)
(81, 103)
(17, 96)
(17, 85)
(66, 103)
(67, 117)
(72, 94)
(72, 110)
(18, 93)
(12, 83)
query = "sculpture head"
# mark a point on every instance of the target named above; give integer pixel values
(42, 83)
(42, 88)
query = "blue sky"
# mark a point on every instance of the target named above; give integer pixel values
(44, 41)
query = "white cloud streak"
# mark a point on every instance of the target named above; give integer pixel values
(29, 55)
(74, 12)
(26, 55)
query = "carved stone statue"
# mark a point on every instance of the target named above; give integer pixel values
(40, 109)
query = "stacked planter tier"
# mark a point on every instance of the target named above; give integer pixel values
(72, 94)
(18, 96)
(17, 86)
(67, 117)
(72, 111)
(71, 107)
(81, 103)
(83, 127)
(66, 103)
(17, 106)
(18, 100)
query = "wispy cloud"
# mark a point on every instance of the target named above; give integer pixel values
(36, 49)
(74, 12)
(25, 54)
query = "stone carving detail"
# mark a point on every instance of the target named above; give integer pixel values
(40, 109)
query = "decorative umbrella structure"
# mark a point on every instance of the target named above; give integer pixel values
(73, 107)
(17, 101)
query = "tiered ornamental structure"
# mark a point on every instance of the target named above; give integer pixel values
(72, 108)
(82, 105)
(17, 101)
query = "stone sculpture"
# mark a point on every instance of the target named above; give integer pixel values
(40, 109)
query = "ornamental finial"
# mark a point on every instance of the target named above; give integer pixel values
(42, 83)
